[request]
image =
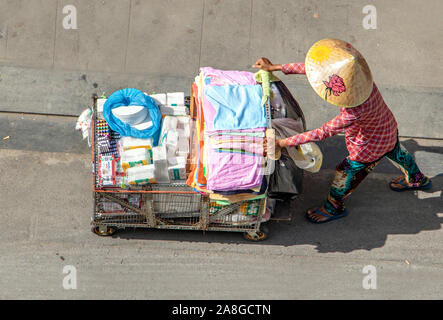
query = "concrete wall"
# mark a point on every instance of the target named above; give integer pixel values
(159, 45)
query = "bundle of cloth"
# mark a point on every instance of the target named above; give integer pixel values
(227, 152)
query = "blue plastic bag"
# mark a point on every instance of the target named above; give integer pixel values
(132, 97)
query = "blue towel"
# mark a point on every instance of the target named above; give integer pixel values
(237, 106)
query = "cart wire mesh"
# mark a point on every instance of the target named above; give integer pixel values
(168, 206)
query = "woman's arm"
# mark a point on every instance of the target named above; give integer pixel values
(329, 129)
(288, 68)
(293, 68)
(265, 64)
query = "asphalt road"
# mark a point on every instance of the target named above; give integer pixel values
(46, 208)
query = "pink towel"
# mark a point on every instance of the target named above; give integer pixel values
(224, 77)
(235, 166)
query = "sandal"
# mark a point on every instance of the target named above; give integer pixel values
(405, 186)
(329, 217)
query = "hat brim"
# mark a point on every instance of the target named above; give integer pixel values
(338, 73)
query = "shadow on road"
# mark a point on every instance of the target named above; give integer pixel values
(375, 213)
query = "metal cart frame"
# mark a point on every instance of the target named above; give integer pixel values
(169, 206)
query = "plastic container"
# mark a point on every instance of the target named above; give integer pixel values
(134, 143)
(169, 123)
(159, 156)
(141, 175)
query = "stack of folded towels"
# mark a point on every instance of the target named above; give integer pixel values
(229, 134)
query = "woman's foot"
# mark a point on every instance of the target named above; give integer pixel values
(400, 184)
(321, 215)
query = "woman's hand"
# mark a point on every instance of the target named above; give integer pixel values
(279, 144)
(265, 64)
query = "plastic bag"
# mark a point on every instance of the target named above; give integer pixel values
(132, 97)
(84, 124)
(313, 157)
(307, 156)
(286, 181)
(290, 105)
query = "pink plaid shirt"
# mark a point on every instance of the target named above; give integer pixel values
(370, 128)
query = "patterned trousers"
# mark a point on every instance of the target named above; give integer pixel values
(349, 174)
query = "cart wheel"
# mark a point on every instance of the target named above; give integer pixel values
(260, 235)
(104, 231)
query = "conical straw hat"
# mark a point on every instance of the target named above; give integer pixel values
(338, 73)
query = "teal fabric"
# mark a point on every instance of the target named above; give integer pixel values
(403, 160)
(349, 174)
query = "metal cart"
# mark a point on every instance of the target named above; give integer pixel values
(171, 206)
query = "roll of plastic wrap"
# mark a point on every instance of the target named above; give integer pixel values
(146, 123)
(131, 115)
(132, 97)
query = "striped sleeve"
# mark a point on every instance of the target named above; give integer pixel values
(294, 68)
(329, 129)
